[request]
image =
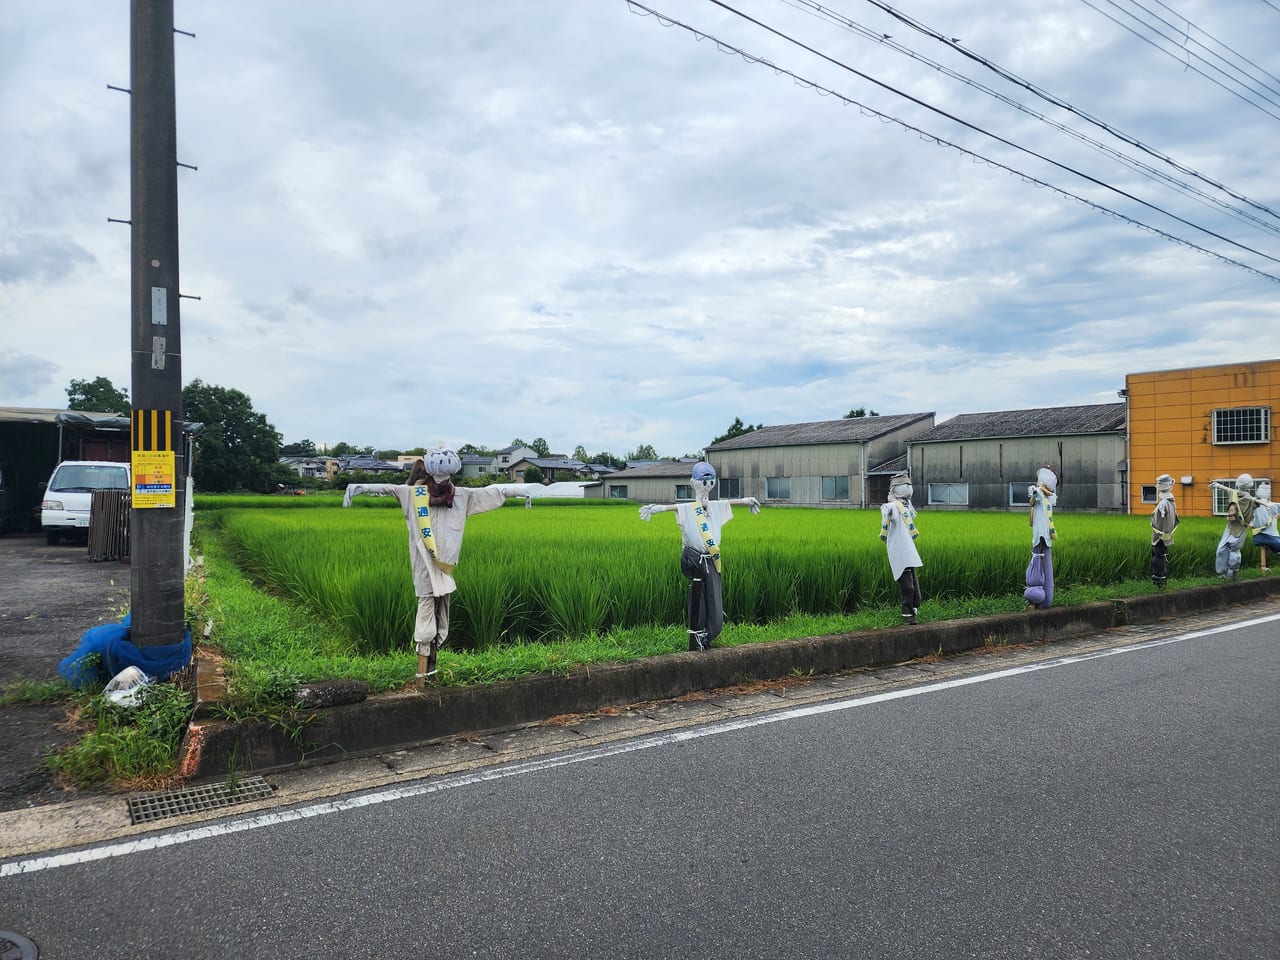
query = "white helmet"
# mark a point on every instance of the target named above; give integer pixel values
(1047, 478)
(442, 463)
(1244, 482)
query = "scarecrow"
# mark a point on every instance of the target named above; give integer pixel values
(898, 531)
(1164, 521)
(435, 512)
(1043, 496)
(700, 523)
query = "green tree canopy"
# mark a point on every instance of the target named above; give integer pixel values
(97, 396)
(643, 452)
(857, 412)
(303, 448)
(541, 447)
(737, 429)
(237, 449)
(532, 474)
(580, 453)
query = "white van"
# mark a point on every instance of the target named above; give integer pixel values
(64, 511)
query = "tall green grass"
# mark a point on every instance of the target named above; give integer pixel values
(554, 574)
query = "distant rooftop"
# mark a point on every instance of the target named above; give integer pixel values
(1038, 422)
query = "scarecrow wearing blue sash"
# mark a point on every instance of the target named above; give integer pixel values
(700, 523)
(435, 512)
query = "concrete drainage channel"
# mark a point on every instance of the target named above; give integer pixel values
(222, 749)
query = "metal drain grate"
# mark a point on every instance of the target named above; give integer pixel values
(174, 803)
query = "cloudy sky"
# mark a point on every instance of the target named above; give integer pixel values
(417, 222)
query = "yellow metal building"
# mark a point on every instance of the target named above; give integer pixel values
(1199, 425)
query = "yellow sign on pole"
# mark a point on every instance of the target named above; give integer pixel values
(153, 479)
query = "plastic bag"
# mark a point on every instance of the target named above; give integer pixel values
(126, 686)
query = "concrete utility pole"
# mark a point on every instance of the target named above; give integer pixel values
(157, 567)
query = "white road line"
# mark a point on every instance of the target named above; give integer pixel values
(421, 788)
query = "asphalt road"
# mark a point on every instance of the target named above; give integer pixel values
(1120, 804)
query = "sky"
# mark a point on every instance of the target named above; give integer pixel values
(611, 225)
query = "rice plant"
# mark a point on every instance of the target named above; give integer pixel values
(551, 575)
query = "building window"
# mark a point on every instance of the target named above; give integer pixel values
(617, 491)
(835, 488)
(730, 488)
(1149, 494)
(1017, 492)
(1221, 498)
(954, 493)
(1242, 425)
(777, 488)
(684, 491)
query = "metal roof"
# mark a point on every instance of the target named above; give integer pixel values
(666, 469)
(1038, 422)
(849, 430)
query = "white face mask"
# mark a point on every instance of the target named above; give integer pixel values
(902, 491)
(703, 488)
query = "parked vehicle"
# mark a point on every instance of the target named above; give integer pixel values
(64, 511)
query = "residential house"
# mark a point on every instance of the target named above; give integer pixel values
(827, 463)
(505, 458)
(318, 467)
(552, 468)
(986, 461)
(1201, 424)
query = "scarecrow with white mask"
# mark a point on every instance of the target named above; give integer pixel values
(701, 522)
(898, 531)
(435, 513)
(1164, 521)
(1240, 511)
(1043, 497)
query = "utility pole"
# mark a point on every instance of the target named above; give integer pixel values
(157, 566)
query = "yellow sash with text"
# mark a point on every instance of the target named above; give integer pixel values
(422, 510)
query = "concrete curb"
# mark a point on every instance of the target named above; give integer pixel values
(397, 720)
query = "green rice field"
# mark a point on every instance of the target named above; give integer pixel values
(574, 569)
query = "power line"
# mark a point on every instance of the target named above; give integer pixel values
(1139, 166)
(728, 48)
(1187, 64)
(1056, 101)
(999, 139)
(1235, 53)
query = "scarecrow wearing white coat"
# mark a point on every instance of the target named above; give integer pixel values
(1043, 497)
(701, 522)
(1266, 522)
(435, 513)
(1164, 521)
(898, 531)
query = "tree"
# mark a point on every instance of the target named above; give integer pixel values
(97, 396)
(469, 450)
(857, 412)
(344, 449)
(540, 447)
(737, 429)
(580, 454)
(532, 474)
(237, 449)
(303, 448)
(643, 452)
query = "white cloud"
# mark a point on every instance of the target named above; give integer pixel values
(475, 222)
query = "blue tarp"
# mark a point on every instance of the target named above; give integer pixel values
(114, 651)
